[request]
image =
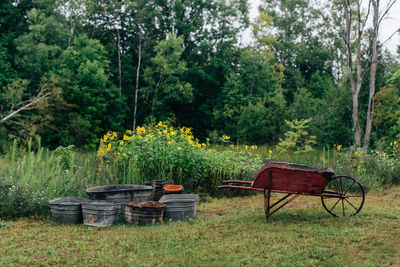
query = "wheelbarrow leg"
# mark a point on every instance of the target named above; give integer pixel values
(267, 197)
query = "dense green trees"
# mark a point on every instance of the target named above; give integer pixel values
(70, 70)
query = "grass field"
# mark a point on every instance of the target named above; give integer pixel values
(226, 232)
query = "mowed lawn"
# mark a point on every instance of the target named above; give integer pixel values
(226, 232)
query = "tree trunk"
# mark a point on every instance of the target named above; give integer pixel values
(374, 63)
(119, 64)
(137, 80)
(355, 84)
(71, 30)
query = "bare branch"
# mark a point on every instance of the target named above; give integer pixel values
(385, 12)
(391, 36)
(27, 104)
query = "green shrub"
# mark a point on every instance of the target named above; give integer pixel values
(297, 140)
(374, 169)
(162, 152)
(19, 200)
(32, 178)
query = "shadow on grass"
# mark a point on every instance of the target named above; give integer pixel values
(286, 218)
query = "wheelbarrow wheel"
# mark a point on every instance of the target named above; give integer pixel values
(343, 196)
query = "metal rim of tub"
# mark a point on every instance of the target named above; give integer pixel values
(120, 192)
(117, 188)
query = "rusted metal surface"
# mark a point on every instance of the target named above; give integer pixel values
(298, 179)
(293, 178)
(148, 212)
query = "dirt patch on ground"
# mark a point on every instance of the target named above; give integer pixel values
(208, 214)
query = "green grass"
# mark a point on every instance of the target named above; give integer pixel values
(226, 232)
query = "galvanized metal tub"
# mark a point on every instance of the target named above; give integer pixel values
(179, 206)
(121, 193)
(148, 212)
(101, 213)
(67, 210)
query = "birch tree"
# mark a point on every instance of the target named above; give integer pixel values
(350, 21)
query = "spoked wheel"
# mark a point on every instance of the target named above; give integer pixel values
(343, 196)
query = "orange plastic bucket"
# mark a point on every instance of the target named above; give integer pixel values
(173, 189)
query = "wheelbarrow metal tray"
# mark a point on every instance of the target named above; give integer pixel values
(293, 178)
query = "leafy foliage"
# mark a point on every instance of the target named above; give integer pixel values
(162, 152)
(297, 139)
(165, 86)
(195, 70)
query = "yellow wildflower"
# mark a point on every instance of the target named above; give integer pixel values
(395, 143)
(339, 147)
(108, 147)
(207, 139)
(125, 138)
(179, 148)
(121, 143)
(226, 137)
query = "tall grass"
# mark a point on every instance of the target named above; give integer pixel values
(323, 157)
(30, 178)
(48, 171)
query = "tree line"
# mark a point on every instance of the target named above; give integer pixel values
(70, 70)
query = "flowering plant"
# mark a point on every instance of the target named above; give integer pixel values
(164, 152)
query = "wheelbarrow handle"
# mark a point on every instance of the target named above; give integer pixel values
(237, 182)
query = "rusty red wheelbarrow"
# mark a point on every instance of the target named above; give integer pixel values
(341, 196)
